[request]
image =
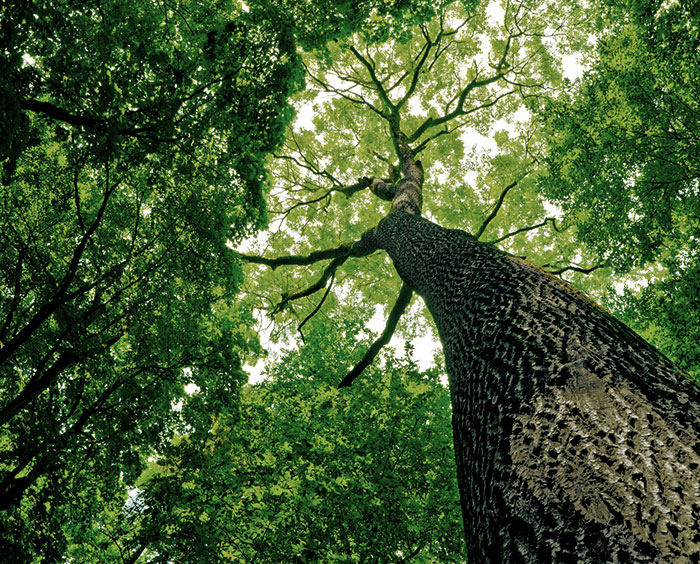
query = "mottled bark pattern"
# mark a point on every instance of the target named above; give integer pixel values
(575, 440)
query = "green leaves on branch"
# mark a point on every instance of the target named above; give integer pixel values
(623, 151)
(304, 472)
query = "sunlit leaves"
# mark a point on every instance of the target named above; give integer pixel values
(460, 81)
(624, 147)
(304, 472)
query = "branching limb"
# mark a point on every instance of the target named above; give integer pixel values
(355, 98)
(59, 114)
(348, 191)
(460, 110)
(528, 228)
(16, 295)
(379, 87)
(422, 57)
(328, 272)
(383, 190)
(61, 295)
(392, 321)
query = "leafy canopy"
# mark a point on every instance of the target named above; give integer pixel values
(304, 472)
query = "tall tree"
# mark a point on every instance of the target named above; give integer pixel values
(575, 440)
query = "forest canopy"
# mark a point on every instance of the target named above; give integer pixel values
(169, 170)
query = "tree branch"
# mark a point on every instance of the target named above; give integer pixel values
(348, 191)
(495, 209)
(12, 309)
(576, 268)
(375, 80)
(396, 312)
(359, 100)
(317, 308)
(524, 229)
(54, 112)
(425, 50)
(61, 295)
(459, 110)
(360, 248)
(328, 272)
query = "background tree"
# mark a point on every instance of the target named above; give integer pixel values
(623, 156)
(302, 472)
(134, 137)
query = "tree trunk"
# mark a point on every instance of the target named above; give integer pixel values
(575, 440)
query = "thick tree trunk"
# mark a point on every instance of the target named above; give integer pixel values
(575, 440)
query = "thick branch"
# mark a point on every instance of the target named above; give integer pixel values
(383, 190)
(37, 386)
(392, 321)
(54, 112)
(360, 248)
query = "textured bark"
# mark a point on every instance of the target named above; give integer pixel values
(575, 440)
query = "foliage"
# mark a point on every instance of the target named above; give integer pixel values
(304, 472)
(133, 144)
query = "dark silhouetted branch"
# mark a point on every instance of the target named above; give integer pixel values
(528, 228)
(575, 268)
(317, 308)
(496, 208)
(328, 272)
(392, 321)
(360, 248)
(54, 112)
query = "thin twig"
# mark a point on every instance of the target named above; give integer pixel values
(317, 308)
(576, 268)
(524, 229)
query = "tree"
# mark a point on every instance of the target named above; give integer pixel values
(137, 142)
(574, 439)
(133, 144)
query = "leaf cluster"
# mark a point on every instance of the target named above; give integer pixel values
(303, 472)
